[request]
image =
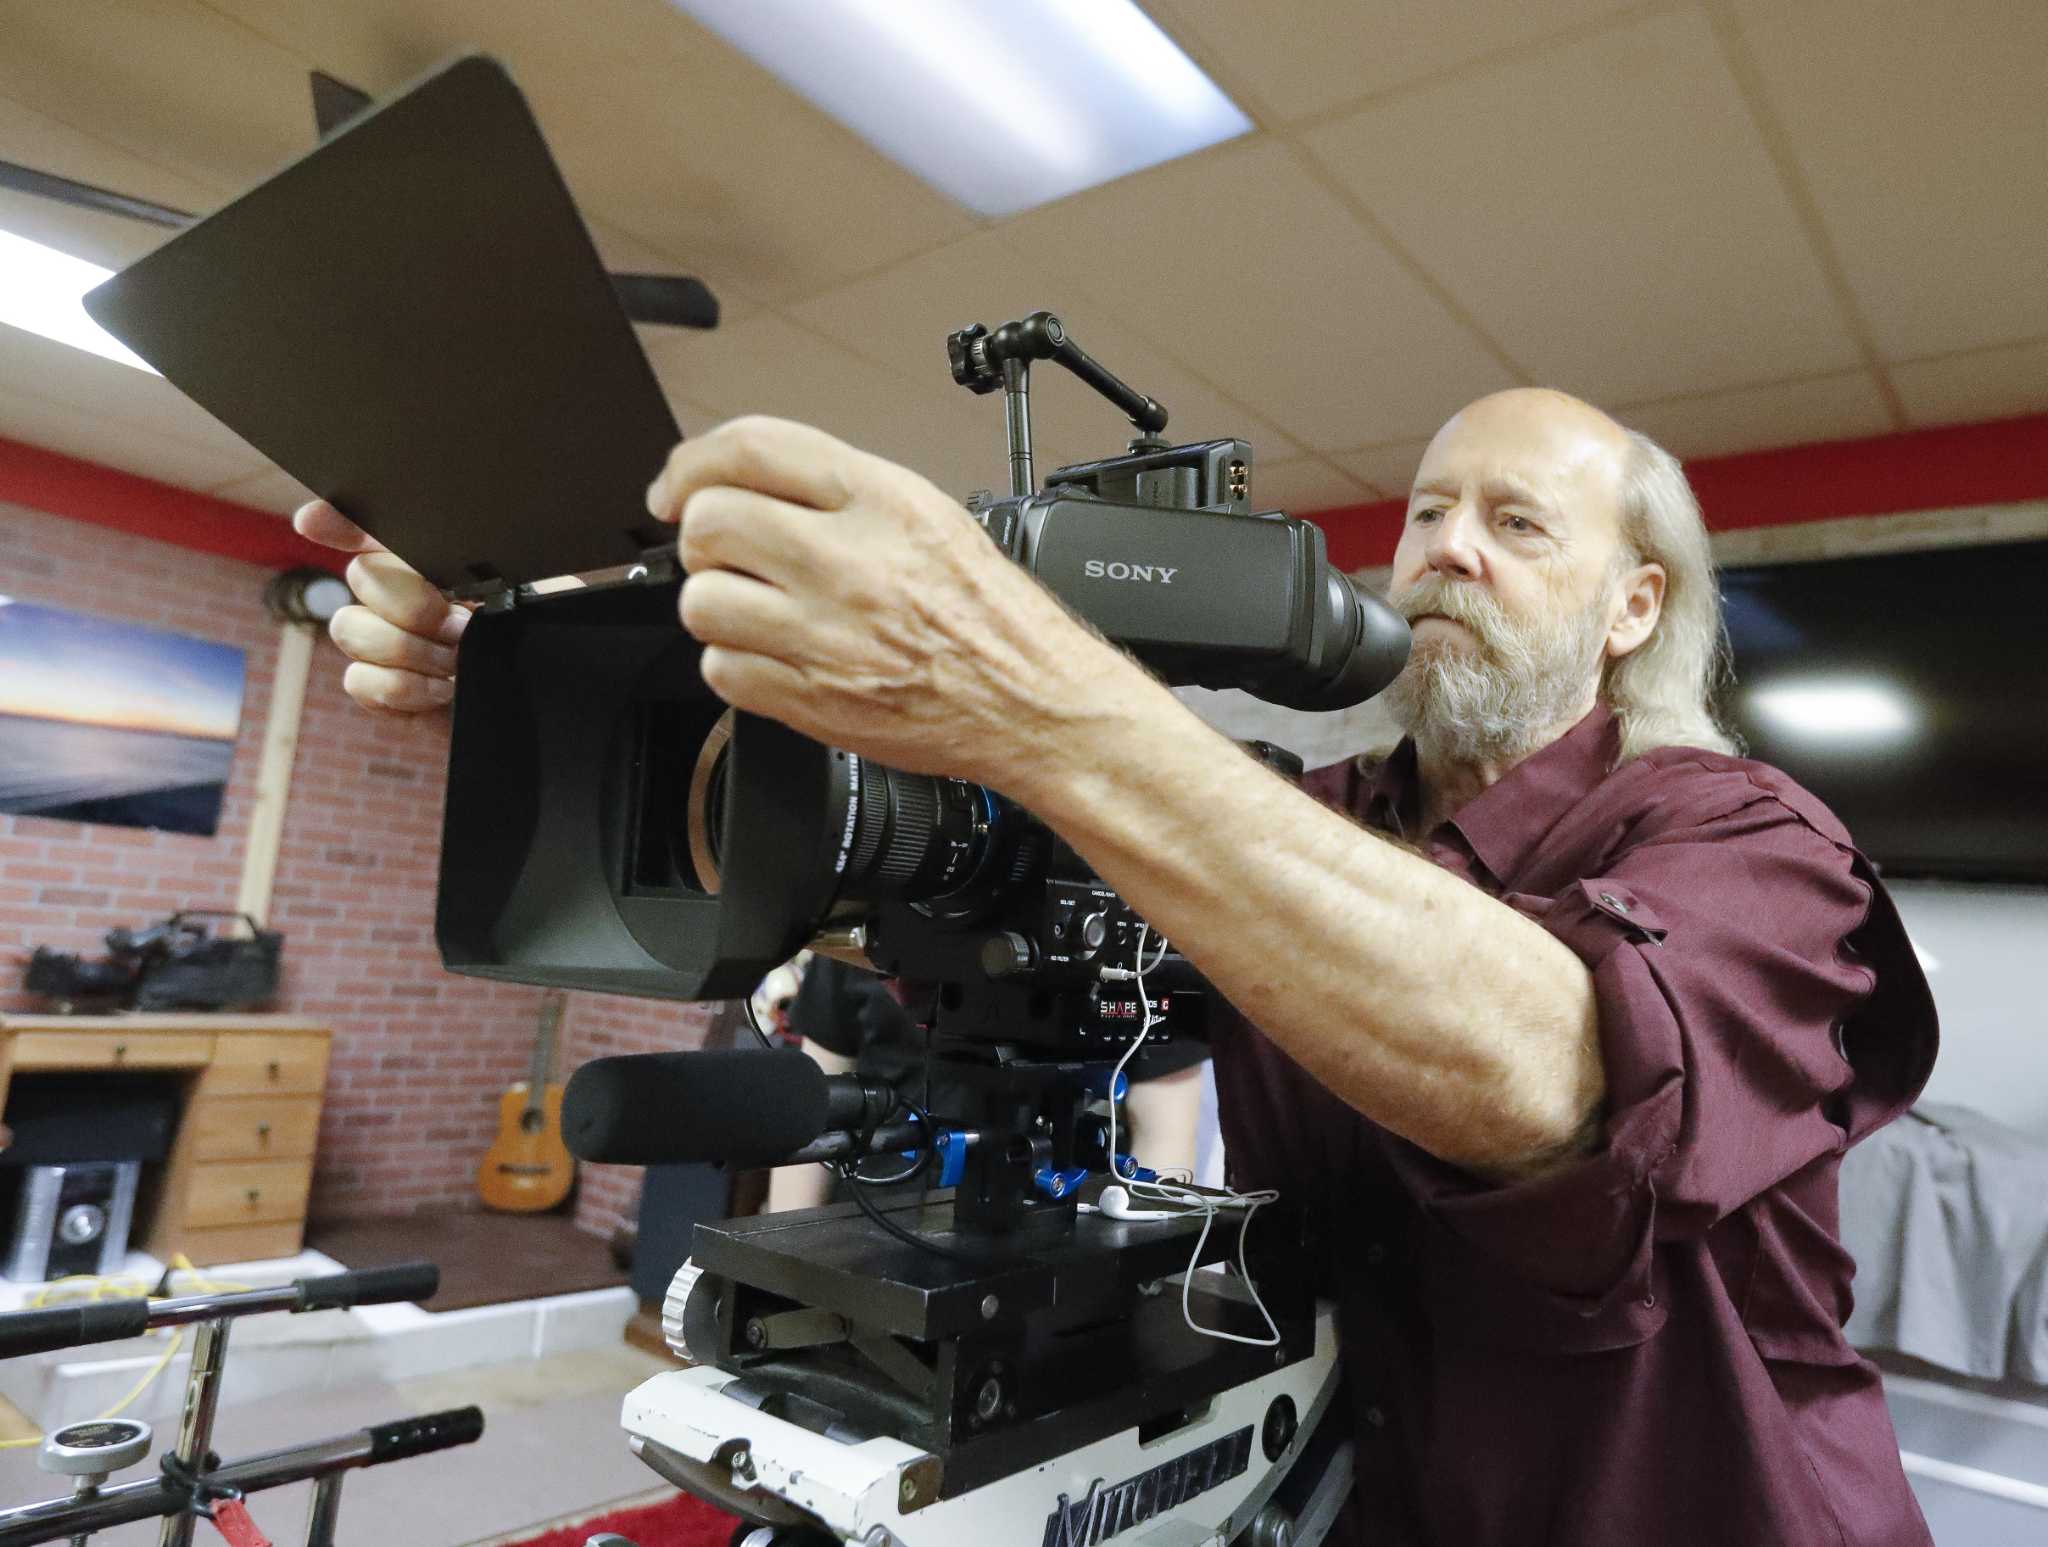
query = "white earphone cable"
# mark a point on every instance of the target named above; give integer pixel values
(1183, 1194)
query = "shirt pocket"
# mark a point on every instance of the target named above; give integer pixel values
(1793, 1292)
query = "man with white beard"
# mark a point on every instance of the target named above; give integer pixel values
(1634, 1336)
(1567, 1067)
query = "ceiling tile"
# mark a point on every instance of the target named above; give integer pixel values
(1329, 52)
(661, 130)
(1757, 418)
(693, 417)
(1620, 231)
(273, 489)
(1303, 484)
(1242, 260)
(37, 141)
(769, 365)
(626, 254)
(79, 432)
(1985, 384)
(118, 395)
(1920, 130)
(900, 320)
(1390, 469)
(170, 82)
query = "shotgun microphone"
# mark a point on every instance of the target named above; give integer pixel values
(736, 1105)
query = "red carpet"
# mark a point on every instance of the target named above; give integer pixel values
(678, 1522)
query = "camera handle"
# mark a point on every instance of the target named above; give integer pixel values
(984, 361)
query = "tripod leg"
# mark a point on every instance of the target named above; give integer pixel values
(195, 1426)
(326, 1509)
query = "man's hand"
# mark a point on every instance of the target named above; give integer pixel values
(833, 590)
(856, 602)
(401, 635)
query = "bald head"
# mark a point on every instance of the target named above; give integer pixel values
(1547, 403)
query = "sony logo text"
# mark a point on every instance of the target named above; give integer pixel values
(1116, 569)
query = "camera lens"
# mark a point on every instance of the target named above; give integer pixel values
(912, 837)
(704, 817)
(902, 837)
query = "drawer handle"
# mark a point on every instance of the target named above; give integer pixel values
(263, 1131)
(275, 1068)
(120, 1050)
(254, 1194)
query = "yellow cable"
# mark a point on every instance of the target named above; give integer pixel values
(91, 1288)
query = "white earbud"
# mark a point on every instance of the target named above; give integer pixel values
(1115, 1201)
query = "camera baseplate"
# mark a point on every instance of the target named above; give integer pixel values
(1053, 1343)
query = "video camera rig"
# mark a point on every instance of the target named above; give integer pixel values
(989, 1364)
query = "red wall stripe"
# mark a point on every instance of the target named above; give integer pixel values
(1995, 463)
(87, 491)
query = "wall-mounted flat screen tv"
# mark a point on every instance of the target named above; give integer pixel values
(1910, 692)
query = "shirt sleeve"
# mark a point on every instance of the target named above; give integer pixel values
(1722, 975)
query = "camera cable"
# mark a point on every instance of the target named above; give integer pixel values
(857, 1184)
(1183, 1196)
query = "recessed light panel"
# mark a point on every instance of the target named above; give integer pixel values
(39, 293)
(1003, 104)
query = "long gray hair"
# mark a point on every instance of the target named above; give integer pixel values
(1663, 691)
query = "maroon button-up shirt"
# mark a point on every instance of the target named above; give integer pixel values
(1645, 1346)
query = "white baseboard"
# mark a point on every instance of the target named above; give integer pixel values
(1977, 1480)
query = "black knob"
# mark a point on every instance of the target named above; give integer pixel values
(967, 354)
(1008, 954)
(1094, 932)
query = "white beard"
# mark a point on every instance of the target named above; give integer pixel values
(1503, 695)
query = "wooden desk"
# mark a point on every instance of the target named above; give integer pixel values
(241, 1162)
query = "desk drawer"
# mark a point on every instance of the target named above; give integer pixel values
(111, 1050)
(254, 1127)
(240, 1243)
(267, 1066)
(251, 1192)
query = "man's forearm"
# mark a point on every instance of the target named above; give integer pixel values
(1428, 1006)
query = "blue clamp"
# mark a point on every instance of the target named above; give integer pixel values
(1057, 1184)
(1097, 1082)
(952, 1157)
(1130, 1171)
(949, 1155)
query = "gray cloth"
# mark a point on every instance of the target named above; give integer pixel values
(1946, 1214)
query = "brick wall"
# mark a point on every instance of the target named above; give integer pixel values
(420, 1055)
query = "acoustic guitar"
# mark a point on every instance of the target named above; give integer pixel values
(527, 1168)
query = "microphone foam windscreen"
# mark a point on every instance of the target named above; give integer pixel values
(651, 1109)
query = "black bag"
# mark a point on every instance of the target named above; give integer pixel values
(200, 972)
(65, 976)
(176, 964)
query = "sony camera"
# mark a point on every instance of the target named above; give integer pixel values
(612, 825)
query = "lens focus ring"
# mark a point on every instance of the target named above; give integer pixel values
(912, 811)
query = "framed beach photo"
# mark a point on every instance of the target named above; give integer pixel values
(110, 722)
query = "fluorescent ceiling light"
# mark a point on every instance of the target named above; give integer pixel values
(40, 289)
(1002, 104)
(1835, 710)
